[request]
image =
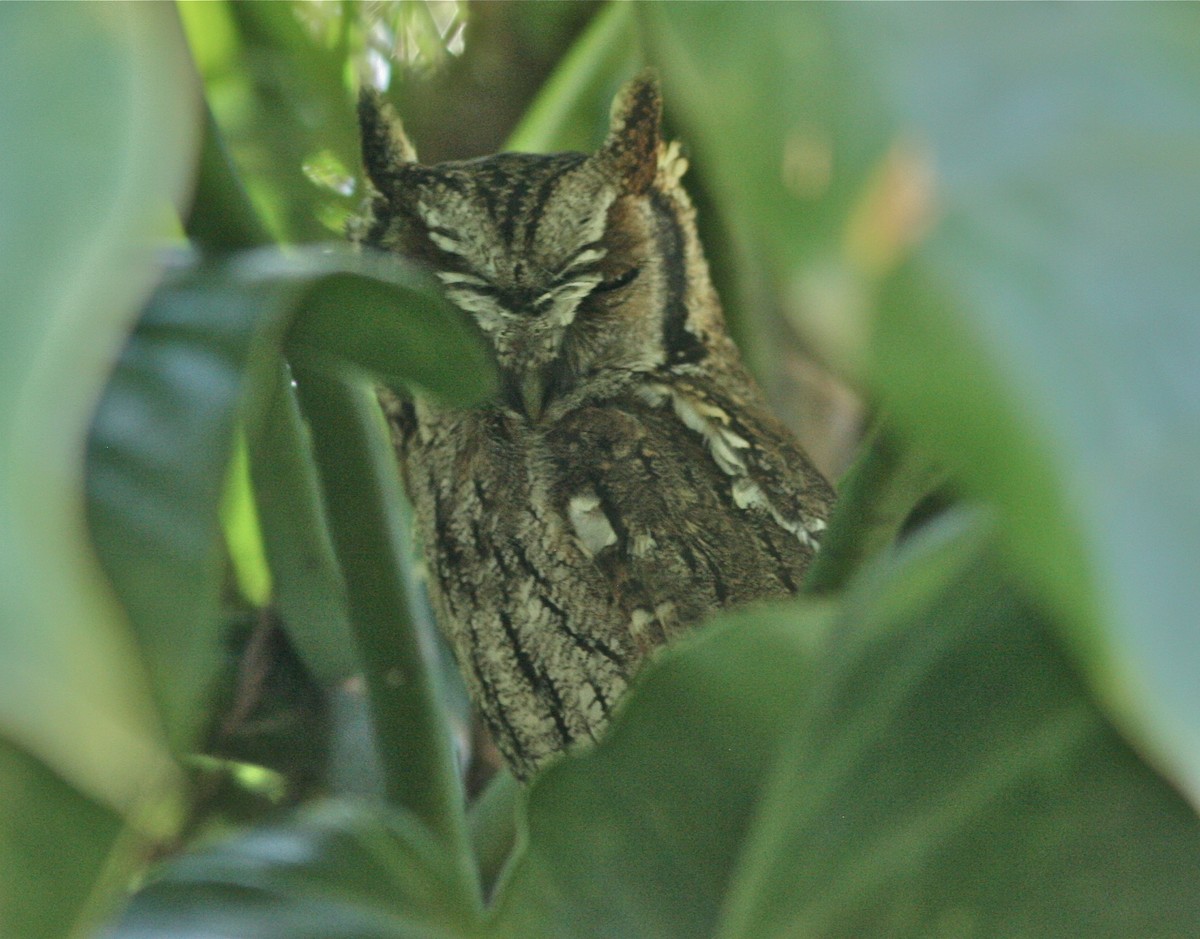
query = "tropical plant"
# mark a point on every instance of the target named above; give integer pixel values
(980, 718)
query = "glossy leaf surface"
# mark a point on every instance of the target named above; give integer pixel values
(205, 354)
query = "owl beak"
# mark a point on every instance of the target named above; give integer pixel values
(533, 393)
(525, 391)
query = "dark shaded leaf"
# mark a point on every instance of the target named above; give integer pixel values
(309, 592)
(493, 826)
(204, 355)
(157, 459)
(336, 871)
(876, 498)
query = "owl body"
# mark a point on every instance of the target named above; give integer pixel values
(628, 480)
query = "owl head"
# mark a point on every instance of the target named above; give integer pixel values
(574, 266)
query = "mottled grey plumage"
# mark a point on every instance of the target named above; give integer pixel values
(629, 480)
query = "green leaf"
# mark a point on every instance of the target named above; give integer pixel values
(921, 760)
(158, 456)
(335, 871)
(99, 139)
(98, 110)
(493, 826)
(369, 526)
(281, 100)
(876, 497)
(353, 319)
(243, 531)
(310, 594)
(205, 355)
(48, 889)
(988, 215)
(951, 776)
(637, 837)
(222, 218)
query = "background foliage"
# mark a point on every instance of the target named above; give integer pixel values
(217, 682)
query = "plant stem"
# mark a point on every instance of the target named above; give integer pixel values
(309, 592)
(358, 474)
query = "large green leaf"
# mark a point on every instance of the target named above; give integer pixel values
(98, 111)
(1034, 173)
(949, 775)
(335, 871)
(637, 838)
(205, 354)
(921, 762)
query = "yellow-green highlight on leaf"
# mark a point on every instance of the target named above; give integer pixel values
(243, 535)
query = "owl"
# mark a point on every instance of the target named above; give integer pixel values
(628, 480)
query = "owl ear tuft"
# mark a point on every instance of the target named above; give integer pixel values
(631, 150)
(386, 149)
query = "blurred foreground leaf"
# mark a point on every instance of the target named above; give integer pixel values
(46, 893)
(924, 762)
(950, 775)
(336, 871)
(638, 837)
(988, 214)
(98, 113)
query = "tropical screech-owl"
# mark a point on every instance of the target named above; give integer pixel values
(628, 479)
